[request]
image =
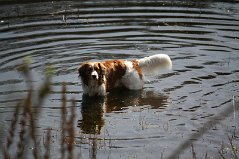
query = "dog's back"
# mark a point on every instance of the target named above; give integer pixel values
(101, 77)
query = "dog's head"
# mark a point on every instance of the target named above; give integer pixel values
(92, 71)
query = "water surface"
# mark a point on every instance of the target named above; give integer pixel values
(200, 37)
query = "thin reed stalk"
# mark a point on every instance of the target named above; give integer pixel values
(47, 145)
(67, 126)
(20, 145)
(63, 120)
(70, 126)
(193, 152)
(12, 129)
(233, 147)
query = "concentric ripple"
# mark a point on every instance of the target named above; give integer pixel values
(200, 37)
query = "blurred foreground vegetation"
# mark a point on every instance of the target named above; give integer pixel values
(20, 134)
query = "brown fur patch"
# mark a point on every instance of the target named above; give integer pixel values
(115, 69)
(83, 73)
(100, 69)
(136, 67)
(112, 70)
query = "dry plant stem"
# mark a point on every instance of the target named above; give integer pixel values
(206, 156)
(70, 126)
(67, 143)
(232, 146)
(32, 116)
(13, 126)
(47, 145)
(220, 153)
(221, 150)
(24, 69)
(63, 120)
(20, 145)
(6, 154)
(193, 152)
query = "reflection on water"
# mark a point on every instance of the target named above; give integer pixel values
(94, 108)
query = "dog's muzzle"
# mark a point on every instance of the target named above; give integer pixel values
(94, 75)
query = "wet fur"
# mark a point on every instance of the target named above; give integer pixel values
(98, 78)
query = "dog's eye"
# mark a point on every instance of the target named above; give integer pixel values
(96, 68)
(89, 69)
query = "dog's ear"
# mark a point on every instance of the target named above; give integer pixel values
(82, 69)
(102, 69)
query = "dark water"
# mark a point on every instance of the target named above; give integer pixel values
(200, 37)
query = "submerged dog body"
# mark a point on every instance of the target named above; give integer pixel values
(98, 78)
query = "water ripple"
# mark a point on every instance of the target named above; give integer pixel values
(200, 37)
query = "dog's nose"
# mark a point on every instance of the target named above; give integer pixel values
(94, 75)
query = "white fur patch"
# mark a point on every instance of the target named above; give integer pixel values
(94, 73)
(131, 79)
(94, 89)
(152, 64)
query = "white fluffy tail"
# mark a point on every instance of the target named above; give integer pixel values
(150, 65)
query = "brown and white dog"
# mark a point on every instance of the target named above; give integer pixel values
(98, 78)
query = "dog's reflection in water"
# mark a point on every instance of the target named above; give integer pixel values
(94, 108)
(92, 115)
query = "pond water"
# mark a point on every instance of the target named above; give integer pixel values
(161, 121)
